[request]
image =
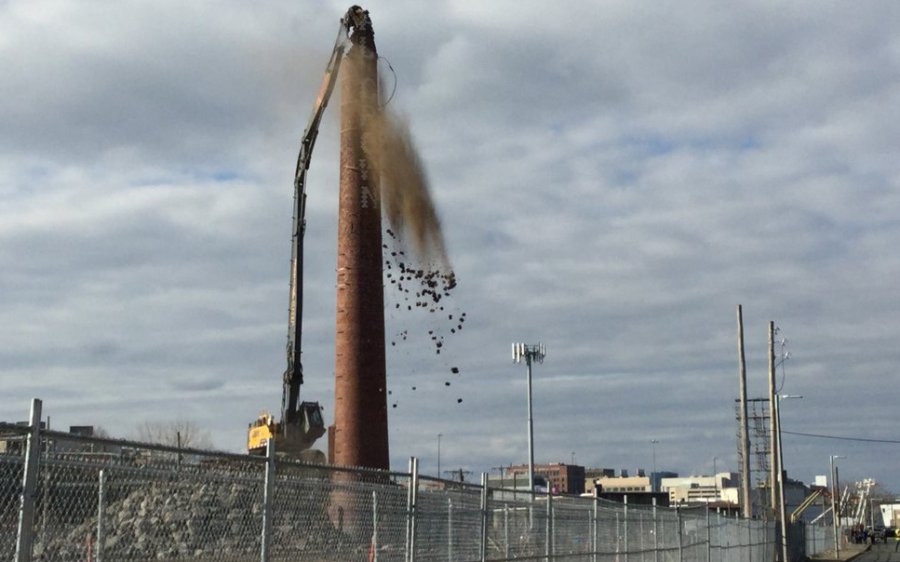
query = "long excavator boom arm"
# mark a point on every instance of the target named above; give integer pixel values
(293, 375)
(301, 423)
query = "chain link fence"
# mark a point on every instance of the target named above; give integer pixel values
(100, 500)
(819, 539)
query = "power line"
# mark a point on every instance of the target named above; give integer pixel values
(843, 438)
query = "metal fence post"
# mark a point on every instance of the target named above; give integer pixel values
(808, 529)
(449, 529)
(548, 530)
(374, 547)
(46, 500)
(25, 537)
(506, 530)
(655, 533)
(625, 523)
(101, 513)
(484, 515)
(680, 541)
(412, 498)
(268, 497)
(708, 538)
(592, 531)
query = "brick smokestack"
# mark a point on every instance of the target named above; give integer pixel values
(361, 429)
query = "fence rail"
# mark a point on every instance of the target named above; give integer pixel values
(102, 500)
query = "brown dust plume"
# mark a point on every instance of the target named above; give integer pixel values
(405, 194)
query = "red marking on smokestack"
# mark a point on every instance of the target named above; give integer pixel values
(361, 429)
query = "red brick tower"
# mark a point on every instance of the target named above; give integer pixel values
(361, 429)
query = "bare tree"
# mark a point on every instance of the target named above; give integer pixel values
(179, 432)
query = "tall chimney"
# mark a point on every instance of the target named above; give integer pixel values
(361, 430)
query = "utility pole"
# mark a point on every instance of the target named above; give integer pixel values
(745, 429)
(773, 426)
(835, 516)
(782, 474)
(782, 508)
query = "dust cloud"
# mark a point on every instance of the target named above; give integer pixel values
(405, 194)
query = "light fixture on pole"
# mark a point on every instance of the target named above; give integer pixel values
(529, 354)
(834, 507)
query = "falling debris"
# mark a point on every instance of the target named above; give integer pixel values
(417, 275)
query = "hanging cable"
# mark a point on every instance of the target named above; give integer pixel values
(394, 88)
(863, 439)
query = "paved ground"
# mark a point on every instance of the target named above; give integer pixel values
(889, 552)
(848, 552)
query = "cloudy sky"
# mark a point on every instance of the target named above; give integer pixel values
(613, 178)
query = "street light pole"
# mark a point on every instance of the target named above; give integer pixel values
(653, 443)
(834, 507)
(529, 353)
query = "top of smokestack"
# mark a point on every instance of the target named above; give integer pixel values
(359, 26)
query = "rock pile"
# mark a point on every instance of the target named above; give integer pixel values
(179, 520)
(164, 521)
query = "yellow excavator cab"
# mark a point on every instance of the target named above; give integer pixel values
(259, 432)
(291, 437)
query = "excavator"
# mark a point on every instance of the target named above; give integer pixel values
(302, 424)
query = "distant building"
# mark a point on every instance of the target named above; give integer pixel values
(890, 514)
(607, 478)
(656, 479)
(603, 483)
(12, 442)
(634, 498)
(592, 473)
(561, 478)
(722, 487)
(622, 484)
(795, 494)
